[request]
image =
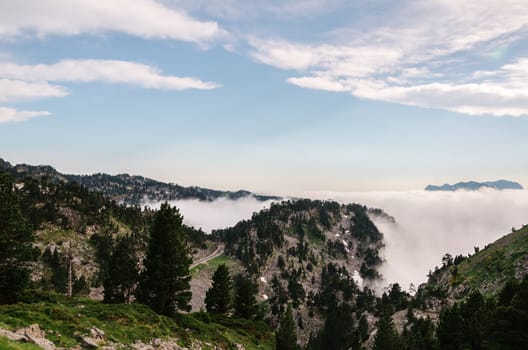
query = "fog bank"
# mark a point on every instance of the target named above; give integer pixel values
(220, 213)
(430, 224)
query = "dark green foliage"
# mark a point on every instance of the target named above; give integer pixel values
(362, 227)
(363, 329)
(386, 337)
(279, 298)
(59, 265)
(334, 280)
(253, 241)
(218, 297)
(164, 284)
(338, 332)
(16, 251)
(245, 297)
(122, 272)
(420, 336)
(59, 269)
(286, 336)
(511, 318)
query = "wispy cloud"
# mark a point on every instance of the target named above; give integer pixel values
(107, 71)
(28, 82)
(13, 90)
(13, 115)
(426, 54)
(142, 18)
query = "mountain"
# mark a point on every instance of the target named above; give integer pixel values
(130, 189)
(475, 186)
(321, 258)
(307, 252)
(318, 256)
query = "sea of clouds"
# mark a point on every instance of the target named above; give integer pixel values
(428, 224)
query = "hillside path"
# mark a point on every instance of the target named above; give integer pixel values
(217, 252)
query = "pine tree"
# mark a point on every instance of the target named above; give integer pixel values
(164, 284)
(218, 297)
(122, 275)
(386, 337)
(286, 336)
(245, 301)
(16, 251)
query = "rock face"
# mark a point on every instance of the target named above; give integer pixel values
(32, 334)
(475, 186)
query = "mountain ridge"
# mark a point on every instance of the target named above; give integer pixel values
(131, 189)
(475, 186)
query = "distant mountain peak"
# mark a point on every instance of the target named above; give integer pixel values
(475, 186)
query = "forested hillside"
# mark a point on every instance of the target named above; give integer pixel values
(129, 189)
(304, 268)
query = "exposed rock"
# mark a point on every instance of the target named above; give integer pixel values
(159, 344)
(12, 335)
(33, 331)
(97, 334)
(35, 335)
(89, 343)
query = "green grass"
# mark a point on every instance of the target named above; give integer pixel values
(213, 264)
(6, 344)
(69, 318)
(495, 264)
(49, 236)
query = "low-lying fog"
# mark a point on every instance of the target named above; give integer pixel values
(220, 213)
(429, 224)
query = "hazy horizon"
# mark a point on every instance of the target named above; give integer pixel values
(275, 97)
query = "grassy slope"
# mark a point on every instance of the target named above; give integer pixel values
(489, 269)
(65, 319)
(213, 264)
(6, 344)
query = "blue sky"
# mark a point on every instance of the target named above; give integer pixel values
(278, 96)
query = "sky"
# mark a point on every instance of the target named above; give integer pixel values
(275, 97)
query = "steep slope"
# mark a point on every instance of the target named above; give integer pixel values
(129, 189)
(487, 271)
(314, 255)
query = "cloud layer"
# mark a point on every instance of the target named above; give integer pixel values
(142, 18)
(220, 213)
(430, 224)
(423, 54)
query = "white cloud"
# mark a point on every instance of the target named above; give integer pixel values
(430, 224)
(109, 71)
(220, 213)
(142, 18)
(409, 58)
(17, 90)
(13, 115)
(249, 10)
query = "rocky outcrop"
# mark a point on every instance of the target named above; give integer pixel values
(31, 334)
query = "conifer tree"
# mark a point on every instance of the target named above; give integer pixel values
(386, 337)
(122, 275)
(16, 251)
(245, 301)
(286, 336)
(218, 297)
(164, 284)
